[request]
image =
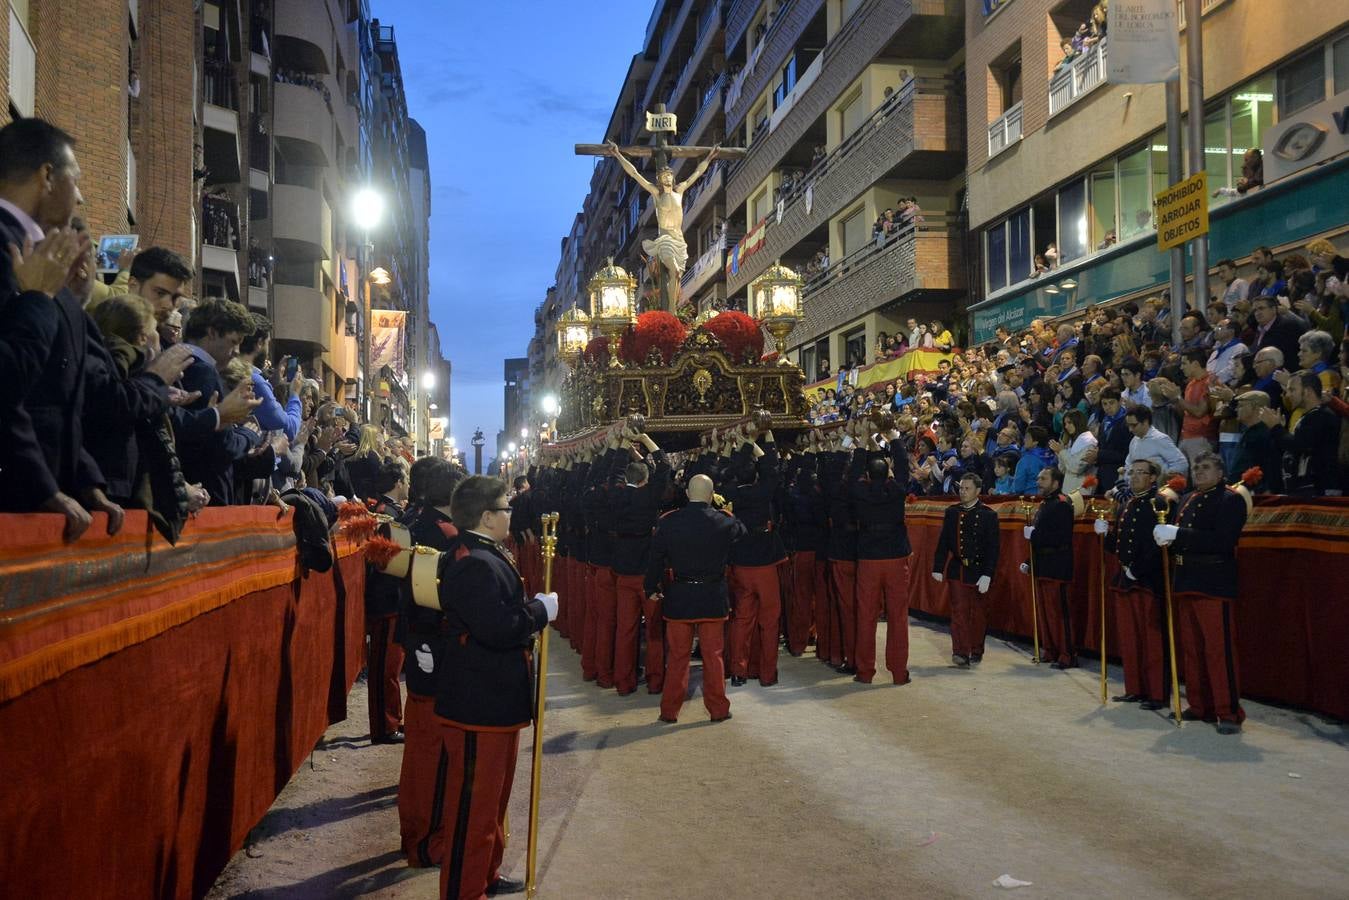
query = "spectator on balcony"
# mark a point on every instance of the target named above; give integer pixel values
(1070, 53)
(1252, 171)
(819, 153)
(823, 369)
(941, 337)
(1040, 267)
(1109, 240)
(915, 333)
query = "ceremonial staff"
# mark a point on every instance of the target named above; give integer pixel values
(1029, 510)
(548, 544)
(1159, 506)
(1099, 507)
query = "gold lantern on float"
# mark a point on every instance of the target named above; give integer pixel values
(613, 304)
(573, 333)
(775, 300)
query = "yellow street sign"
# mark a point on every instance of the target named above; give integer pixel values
(1182, 212)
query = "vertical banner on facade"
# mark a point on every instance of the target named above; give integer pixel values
(387, 341)
(1144, 42)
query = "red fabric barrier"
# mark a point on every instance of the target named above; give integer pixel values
(1291, 617)
(139, 772)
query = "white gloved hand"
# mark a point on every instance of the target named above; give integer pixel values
(1101, 527)
(1164, 534)
(1027, 531)
(1025, 568)
(425, 661)
(1128, 573)
(549, 602)
(938, 577)
(983, 583)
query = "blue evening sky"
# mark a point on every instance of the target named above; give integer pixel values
(504, 89)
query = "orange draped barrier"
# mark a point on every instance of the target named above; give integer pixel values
(154, 700)
(1291, 615)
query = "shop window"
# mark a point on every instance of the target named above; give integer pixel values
(1101, 196)
(1135, 193)
(855, 347)
(1073, 236)
(1302, 82)
(996, 245)
(1340, 64)
(1215, 148)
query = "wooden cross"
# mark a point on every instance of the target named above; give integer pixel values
(660, 150)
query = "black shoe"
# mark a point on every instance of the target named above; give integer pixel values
(961, 662)
(393, 737)
(1229, 728)
(975, 660)
(1151, 705)
(738, 681)
(505, 886)
(1127, 698)
(1058, 665)
(846, 669)
(722, 719)
(1189, 715)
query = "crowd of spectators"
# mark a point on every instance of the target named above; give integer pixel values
(1256, 377)
(131, 395)
(1088, 35)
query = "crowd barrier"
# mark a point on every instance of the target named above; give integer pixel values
(155, 699)
(1292, 614)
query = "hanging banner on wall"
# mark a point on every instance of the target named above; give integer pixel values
(1144, 42)
(387, 339)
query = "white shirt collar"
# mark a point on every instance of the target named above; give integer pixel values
(31, 229)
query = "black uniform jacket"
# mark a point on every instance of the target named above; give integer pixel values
(807, 516)
(1205, 549)
(689, 552)
(422, 630)
(1052, 541)
(835, 480)
(633, 511)
(382, 591)
(753, 506)
(487, 680)
(878, 510)
(1131, 540)
(967, 547)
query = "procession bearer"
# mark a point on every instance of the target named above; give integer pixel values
(485, 692)
(1051, 541)
(967, 555)
(687, 577)
(635, 506)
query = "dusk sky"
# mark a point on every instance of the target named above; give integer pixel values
(504, 89)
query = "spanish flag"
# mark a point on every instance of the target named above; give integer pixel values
(749, 244)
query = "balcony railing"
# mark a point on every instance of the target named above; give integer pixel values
(221, 88)
(709, 260)
(1081, 76)
(1004, 131)
(220, 222)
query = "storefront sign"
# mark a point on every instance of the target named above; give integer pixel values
(1311, 137)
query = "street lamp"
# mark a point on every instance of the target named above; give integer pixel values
(428, 380)
(511, 448)
(775, 300)
(613, 301)
(550, 405)
(524, 434)
(367, 208)
(367, 211)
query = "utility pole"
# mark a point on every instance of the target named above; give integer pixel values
(1194, 72)
(1174, 173)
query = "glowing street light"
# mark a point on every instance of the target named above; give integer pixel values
(550, 405)
(367, 208)
(524, 434)
(511, 448)
(428, 380)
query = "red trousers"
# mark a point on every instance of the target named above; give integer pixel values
(604, 618)
(1056, 622)
(883, 582)
(383, 666)
(844, 576)
(421, 784)
(758, 606)
(1140, 622)
(592, 578)
(969, 619)
(479, 769)
(655, 645)
(576, 614)
(679, 634)
(1207, 635)
(562, 587)
(629, 594)
(801, 617)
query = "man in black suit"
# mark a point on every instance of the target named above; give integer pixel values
(207, 443)
(43, 463)
(1275, 327)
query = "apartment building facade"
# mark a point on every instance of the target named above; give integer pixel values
(846, 108)
(234, 132)
(1060, 156)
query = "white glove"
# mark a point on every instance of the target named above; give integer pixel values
(549, 602)
(1025, 568)
(425, 661)
(1101, 527)
(1164, 534)
(983, 583)
(938, 577)
(1027, 531)
(1128, 573)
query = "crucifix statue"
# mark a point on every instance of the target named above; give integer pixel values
(668, 253)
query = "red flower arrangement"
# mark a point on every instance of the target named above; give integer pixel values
(657, 330)
(739, 334)
(597, 351)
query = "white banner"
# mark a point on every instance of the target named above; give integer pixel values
(387, 339)
(1144, 42)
